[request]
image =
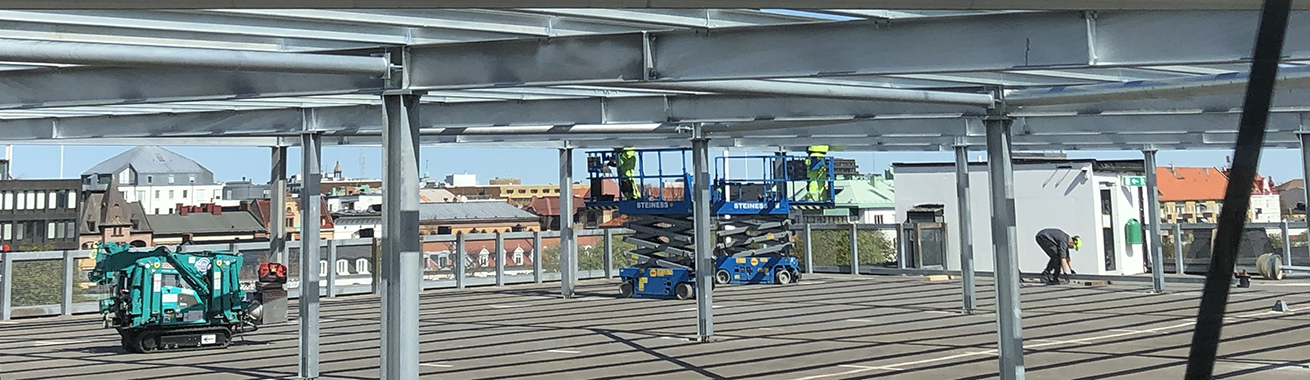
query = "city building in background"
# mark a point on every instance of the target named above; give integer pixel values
(39, 214)
(160, 179)
(108, 216)
(1195, 195)
(474, 217)
(206, 224)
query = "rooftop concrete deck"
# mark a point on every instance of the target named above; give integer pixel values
(826, 327)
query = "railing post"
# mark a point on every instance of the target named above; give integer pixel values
(1287, 244)
(500, 259)
(855, 249)
(1179, 267)
(536, 257)
(809, 250)
(69, 268)
(609, 253)
(900, 246)
(332, 268)
(6, 285)
(459, 260)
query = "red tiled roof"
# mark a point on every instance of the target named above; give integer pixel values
(1201, 184)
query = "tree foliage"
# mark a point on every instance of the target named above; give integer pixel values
(833, 247)
(590, 257)
(40, 282)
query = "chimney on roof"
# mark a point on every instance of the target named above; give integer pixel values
(182, 210)
(215, 209)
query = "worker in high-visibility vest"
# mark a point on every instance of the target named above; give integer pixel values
(816, 169)
(627, 165)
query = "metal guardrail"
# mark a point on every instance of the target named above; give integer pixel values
(334, 285)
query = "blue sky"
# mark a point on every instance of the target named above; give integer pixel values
(531, 165)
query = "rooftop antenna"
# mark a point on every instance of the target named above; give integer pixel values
(361, 164)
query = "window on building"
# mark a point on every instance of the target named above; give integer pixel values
(54, 198)
(484, 258)
(156, 194)
(40, 199)
(534, 191)
(877, 219)
(70, 229)
(50, 230)
(200, 194)
(156, 210)
(8, 233)
(140, 195)
(183, 194)
(1179, 210)
(72, 199)
(150, 179)
(9, 200)
(18, 230)
(170, 194)
(361, 266)
(443, 230)
(31, 200)
(170, 179)
(1200, 208)
(322, 266)
(343, 267)
(518, 256)
(192, 178)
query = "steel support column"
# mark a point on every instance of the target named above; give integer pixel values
(609, 253)
(700, 152)
(1305, 173)
(965, 228)
(310, 222)
(1001, 180)
(1153, 216)
(70, 267)
(401, 243)
(277, 205)
(568, 245)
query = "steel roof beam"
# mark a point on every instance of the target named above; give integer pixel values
(364, 118)
(87, 86)
(1012, 42)
(657, 4)
(828, 91)
(156, 56)
(1182, 87)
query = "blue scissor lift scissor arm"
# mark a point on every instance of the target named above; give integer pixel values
(751, 217)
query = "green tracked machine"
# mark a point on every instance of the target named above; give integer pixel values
(172, 301)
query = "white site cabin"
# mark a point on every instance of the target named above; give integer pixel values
(1085, 197)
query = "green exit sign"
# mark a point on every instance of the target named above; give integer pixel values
(1133, 180)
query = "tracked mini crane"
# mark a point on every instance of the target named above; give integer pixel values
(751, 216)
(170, 301)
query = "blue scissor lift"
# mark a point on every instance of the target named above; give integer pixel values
(752, 224)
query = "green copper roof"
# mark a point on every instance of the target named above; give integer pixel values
(866, 192)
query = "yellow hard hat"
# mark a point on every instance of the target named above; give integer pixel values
(817, 149)
(1077, 243)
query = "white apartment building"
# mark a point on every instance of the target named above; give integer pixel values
(160, 179)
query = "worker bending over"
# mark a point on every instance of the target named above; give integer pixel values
(1056, 243)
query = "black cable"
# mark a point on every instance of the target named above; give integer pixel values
(1237, 199)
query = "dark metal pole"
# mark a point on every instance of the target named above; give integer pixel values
(1237, 199)
(966, 233)
(1153, 217)
(700, 152)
